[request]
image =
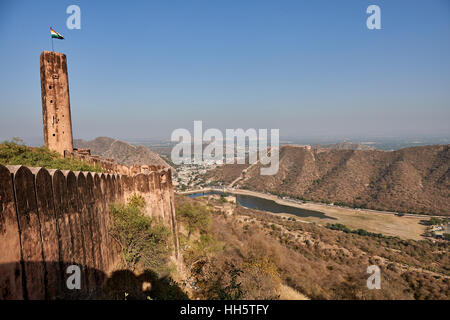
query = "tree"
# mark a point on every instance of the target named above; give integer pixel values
(195, 217)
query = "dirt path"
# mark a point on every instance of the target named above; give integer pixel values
(241, 176)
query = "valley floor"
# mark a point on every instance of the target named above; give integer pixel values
(386, 223)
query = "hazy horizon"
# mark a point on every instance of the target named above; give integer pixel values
(311, 69)
(382, 143)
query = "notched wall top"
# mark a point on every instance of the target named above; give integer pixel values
(51, 219)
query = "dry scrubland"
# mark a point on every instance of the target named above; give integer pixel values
(257, 255)
(415, 180)
(225, 173)
(405, 227)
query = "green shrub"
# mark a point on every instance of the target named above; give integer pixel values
(145, 241)
(196, 217)
(361, 232)
(338, 226)
(202, 249)
(16, 153)
(434, 221)
(225, 286)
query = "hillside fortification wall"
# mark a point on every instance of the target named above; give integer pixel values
(51, 219)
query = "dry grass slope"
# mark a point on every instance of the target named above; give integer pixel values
(287, 259)
(415, 179)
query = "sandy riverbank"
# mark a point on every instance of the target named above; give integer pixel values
(387, 223)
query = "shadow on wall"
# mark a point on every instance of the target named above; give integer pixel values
(62, 218)
(120, 285)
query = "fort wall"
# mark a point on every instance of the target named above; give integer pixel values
(50, 219)
(109, 165)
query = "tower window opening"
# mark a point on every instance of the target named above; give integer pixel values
(51, 101)
(53, 134)
(50, 86)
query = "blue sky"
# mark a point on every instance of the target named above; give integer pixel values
(140, 69)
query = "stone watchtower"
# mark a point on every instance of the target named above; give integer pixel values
(56, 102)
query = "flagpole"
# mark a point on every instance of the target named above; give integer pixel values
(51, 37)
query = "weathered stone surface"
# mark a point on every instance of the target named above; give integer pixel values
(106, 218)
(60, 198)
(74, 218)
(109, 188)
(159, 194)
(100, 206)
(116, 251)
(10, 267)
(95, 224)
(86, 226)
(29, 224)
(141, 182)
(153, 195)
(76, 227)
(142, 185)
(113, 188)
(119, 189)
(53, 219)
(55, 102)
(49, 231)
(128, 187)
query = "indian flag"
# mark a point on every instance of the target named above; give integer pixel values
(55, 34)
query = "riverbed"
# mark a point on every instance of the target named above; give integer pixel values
(387, 223)
(258, 203)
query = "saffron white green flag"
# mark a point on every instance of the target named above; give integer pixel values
(55, 34)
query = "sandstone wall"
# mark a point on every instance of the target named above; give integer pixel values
(109, 165)
(56, 102)
(50, 219)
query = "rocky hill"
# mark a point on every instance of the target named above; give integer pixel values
(415, 179)
(122, 152)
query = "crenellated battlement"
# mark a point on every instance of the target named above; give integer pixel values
(50, 219)
(109, 165)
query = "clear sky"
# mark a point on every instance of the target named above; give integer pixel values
(140, 69)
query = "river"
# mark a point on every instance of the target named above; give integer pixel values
(268, 205)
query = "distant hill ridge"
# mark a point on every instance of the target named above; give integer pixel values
(122, 152)
(346, 145)
(413, 179)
